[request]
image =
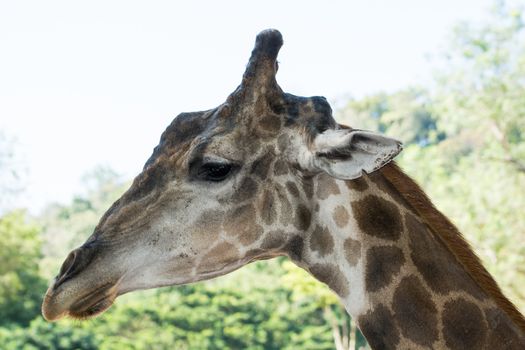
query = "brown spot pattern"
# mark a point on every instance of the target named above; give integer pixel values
(292, 188)
(382, 264)
(379, 329)
(352, 251)
(321, 241)
(250, 236)
(280, 167)
(261, 166)
(294, 248)
(267, 208)
(415, 312)
(306, 109)
(358, 184)
(303, 217)
(246, 190)
(252, 147)
(326, 186)
(378, 217)
(222, 253)
(332, 276)
(502, 334)
(273, 240)
(436, 264)
(463, 325)
(241, 222)
(384, 185)
(308, 187)
(341, 216)
(282, 142)
(270, 123)
(286, 206)
(207, 228)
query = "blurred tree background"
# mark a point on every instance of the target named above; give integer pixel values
(464, 142)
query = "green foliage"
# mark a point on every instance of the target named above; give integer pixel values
(42, 335)
(20, 284)
(477, 175)
(481, 97)
(66, 227)
(484, 199)
(249, 309)
(241, 311)
(469, 152)
(405, 114)
(309, 293)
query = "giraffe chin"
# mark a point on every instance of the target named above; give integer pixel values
(88, 306)
(84, 312)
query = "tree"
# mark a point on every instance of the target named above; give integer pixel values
(251, 308)
(465, 139)
(42, 335)
(21, 287)
(481, 97)
(481, 107)
(308, 291)
(406, 115)
(65, 227)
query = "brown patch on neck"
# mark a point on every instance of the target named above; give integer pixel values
(442, 228)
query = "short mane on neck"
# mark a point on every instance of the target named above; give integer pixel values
(447, 232)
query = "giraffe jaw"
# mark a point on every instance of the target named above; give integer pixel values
(56, 306)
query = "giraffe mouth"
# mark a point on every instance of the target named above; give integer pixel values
(94, 303)
(89, 305)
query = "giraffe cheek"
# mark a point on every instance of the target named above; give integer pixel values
(266, 207)
(241, 224)
(251, 235)
(218, 258)
(206, 230)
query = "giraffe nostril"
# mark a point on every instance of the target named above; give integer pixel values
(74, 263)
(68, 264)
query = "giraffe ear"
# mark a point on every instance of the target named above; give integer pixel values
(346, 153)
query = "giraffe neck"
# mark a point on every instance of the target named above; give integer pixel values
(394, 276)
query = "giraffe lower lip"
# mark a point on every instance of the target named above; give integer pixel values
(93, 310)
(94, 303)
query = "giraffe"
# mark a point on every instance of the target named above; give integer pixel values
(268, 174)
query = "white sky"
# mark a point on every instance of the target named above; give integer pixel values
(96, 82)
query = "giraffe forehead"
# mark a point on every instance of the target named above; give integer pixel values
(234, 126)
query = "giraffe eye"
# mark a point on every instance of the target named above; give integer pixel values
(215, 172)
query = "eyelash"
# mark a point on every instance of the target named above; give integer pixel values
(215, 172)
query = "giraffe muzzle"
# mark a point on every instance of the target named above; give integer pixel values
(75, 262)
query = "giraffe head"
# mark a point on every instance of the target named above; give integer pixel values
(223, 187)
